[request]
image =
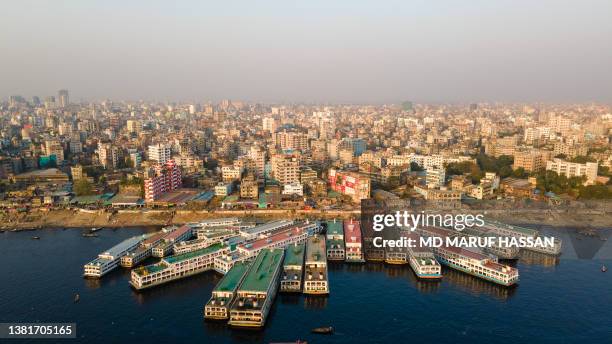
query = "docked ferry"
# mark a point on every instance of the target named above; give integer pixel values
(293, 269)
(110, 259)
(395, 255)
(225, 291)
(352, 242)
(518, 232)
(422, 260)
(178, 266)
(335, 241)
(315, 275)
(256, 294)
(473, 263)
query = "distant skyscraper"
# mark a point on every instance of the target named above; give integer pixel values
(62, 96)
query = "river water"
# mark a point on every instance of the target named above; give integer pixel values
(563, 300)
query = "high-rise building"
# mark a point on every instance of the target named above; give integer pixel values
(160, 153)
(286, 168)
(166, 177)
(291, 140)
(269, 124)
(62, 96)
(134, 126)
(530, 161)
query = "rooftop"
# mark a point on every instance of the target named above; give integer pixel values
(334, 228)
(260, 273)
(315, 249)
(230, 281)
(294, 255)
(123, 246)
(184, 256)
(266, 227)
(178, 232)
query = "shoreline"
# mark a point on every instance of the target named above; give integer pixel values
(68, 218)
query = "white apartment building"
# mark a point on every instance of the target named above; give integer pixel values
(160, 153)
(572, 169)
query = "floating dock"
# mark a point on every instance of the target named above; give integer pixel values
(256, 294)
(293, 269)
(315, 275)
(335, 241)
(218, 306)
(178, 266)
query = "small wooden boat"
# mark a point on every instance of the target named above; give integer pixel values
(323, 330)
(36, 238)
(604, 268)
(95, 229)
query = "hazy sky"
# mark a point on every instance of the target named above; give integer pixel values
(311, 51)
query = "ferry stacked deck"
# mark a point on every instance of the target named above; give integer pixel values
(395, 255)
(335, 241)
(203, 241)
(502, 252)
(315, 276)
(143, 251)
(256, 293)
(110, 259)
(278, 239)
(177, 266)
(165, 246)
(264, 229)
(522, 232)
(471, 262)
(293, 269)
(352, 240)
(422, 260)
(225, 291)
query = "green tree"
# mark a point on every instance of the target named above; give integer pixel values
(519, 173)
(415, 167)
(83, 187)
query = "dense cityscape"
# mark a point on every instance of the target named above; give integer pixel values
(237, 155)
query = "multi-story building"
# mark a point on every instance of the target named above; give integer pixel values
(291, 140)
(249, 187)
(167, 177)
(436, 177)
(160, 153)
(231, 173)
(269, 124)
(530, 161)
(351, 184)
(572, 169)
(286, 168)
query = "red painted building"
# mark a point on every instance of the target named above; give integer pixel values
(167, 178)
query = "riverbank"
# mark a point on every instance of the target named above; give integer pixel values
(577, 218)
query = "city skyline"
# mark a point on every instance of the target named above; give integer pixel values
(311, 52)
